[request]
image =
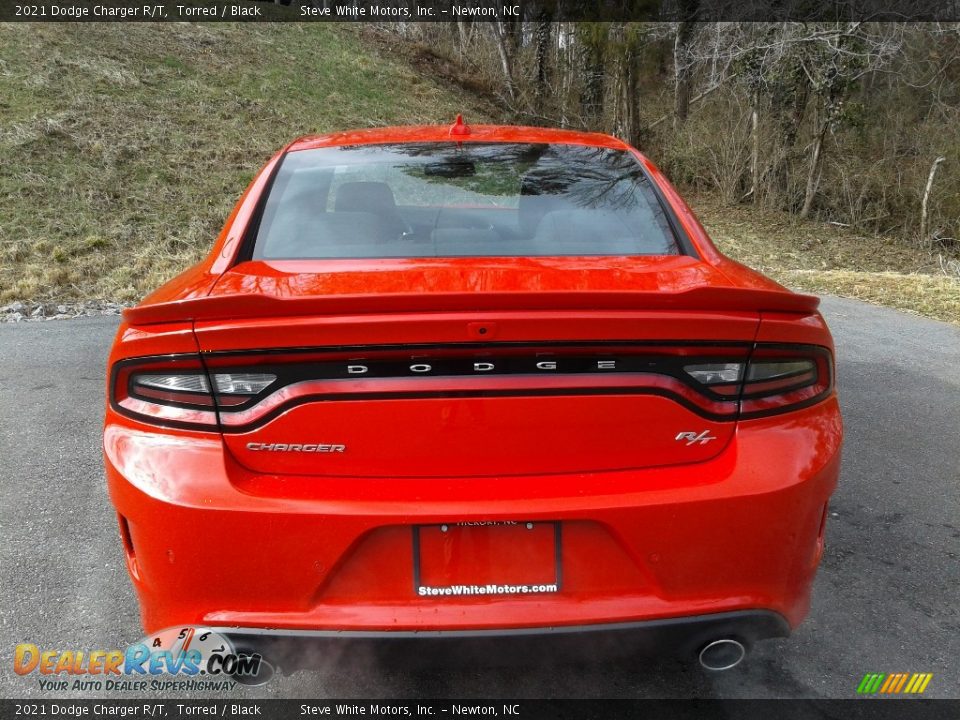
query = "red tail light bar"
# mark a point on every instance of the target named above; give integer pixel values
(237, 392)
(780, 378)
(170, 391)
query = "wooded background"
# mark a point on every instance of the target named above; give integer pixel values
(852, 123)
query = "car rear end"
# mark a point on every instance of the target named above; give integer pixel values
(489, 446)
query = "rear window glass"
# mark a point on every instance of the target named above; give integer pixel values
(450, 200)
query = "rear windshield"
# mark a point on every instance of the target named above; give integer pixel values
(450, 200)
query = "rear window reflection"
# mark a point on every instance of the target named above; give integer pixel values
(450, 200)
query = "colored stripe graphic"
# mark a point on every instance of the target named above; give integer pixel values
(870, 683)
(894, 683)
(923, 679)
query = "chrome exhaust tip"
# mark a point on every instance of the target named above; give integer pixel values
(723, 654)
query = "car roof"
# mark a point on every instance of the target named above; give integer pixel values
(442, 133)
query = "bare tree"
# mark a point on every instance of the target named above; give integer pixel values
(926, 197)
(544, 33)
(504, 49)
(682, 59)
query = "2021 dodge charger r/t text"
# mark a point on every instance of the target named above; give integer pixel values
(485, 382)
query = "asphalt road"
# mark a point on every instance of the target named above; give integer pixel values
(887, 598)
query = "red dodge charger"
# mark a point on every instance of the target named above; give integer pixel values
(472, 385)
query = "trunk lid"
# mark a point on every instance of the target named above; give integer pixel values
(474, 367)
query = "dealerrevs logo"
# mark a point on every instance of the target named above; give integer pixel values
(186, 652)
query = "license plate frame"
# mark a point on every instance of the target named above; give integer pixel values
(474, 543)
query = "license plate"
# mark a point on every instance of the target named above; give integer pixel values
(497, 558)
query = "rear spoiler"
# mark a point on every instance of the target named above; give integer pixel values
(241, 306)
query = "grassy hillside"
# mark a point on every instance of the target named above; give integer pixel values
(124, 147)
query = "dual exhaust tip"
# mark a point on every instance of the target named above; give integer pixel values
(722, 654)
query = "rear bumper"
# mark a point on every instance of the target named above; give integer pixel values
(210, 543)
(682, 638)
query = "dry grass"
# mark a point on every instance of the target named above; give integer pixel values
(125, 146)
(822, 258)
(935, 296)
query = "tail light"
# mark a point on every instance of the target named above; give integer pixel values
(235, 388)
(173, 391)
(234, 392)
(775, 378)
(785, 377)
(721, 378)
(176, 391)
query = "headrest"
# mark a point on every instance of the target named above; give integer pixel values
(538, 196)
(364, 197)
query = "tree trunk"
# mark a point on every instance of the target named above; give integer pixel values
(633, 108)
(544, 34)
(755, 149)
(813, 172)
(564, 64)
(926, 197)
(681, 86)
(788, 106)
(682, 72)
(629, 87)
(506, 59)
(594, 82)
(461, 38)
